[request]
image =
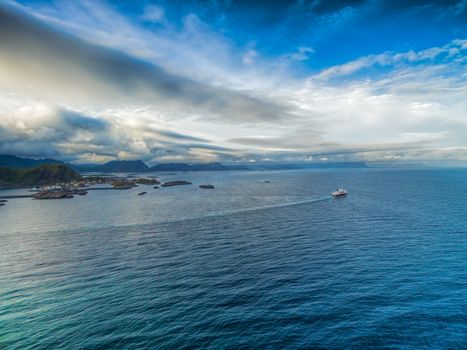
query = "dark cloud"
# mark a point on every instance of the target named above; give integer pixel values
(43, 51)
(80, 121)
(178, 136)
(30, 148)
(205, 147)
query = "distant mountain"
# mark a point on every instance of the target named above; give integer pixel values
(122, 166)
(189, 167)
(138, 166)
(237, 167)
(335, 165)
(274, 166)
(390, 164)
(308, 165)
(10, 161)
(115, 166)
(45, 174)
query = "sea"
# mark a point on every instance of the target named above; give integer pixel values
(266, 260)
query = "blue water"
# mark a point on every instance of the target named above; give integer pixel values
(247, 265)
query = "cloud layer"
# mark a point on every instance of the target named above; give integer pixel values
(82, 82)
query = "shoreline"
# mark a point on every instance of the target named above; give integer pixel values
(32, 195)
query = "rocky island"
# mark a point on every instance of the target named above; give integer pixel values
(125, 184)
(66, 192)
(175, 183)
(206, 186)
(53, 195)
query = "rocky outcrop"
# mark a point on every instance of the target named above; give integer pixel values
(123, 184)
(206, 186)
(147, 181)
(175, 183)
(130, 183)
(53, 195)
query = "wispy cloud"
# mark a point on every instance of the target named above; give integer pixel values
(454, 51)
(153, 13)
(302, 54)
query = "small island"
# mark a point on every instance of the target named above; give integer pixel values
(206, 186)
(175, 183)
(124, 183)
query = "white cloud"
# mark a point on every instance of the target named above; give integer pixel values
(303, 53)
(249, 57)
(455, 48)
(153, 13)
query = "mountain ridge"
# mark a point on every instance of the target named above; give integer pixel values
(138, 166)
(11, 161)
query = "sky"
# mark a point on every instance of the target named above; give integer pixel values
(91, 81)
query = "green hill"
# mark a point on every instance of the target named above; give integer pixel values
(46, 174)
(10, 161)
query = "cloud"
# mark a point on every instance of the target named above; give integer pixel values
(30, 128)
(59, 65)
(79, 121)
(178, 136)
(249, 57)
(80, 81)
(153, 13)
(455, 50)
(303, 53)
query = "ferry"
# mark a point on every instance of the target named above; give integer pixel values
(340, 192)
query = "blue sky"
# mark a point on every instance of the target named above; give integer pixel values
(337, 31)
(91, 81)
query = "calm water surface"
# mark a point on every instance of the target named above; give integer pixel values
(247, 265)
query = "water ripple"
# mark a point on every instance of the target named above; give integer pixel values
(376, 270)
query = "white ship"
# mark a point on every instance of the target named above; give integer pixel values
(340, 192)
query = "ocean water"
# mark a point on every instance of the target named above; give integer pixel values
(247, 265)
